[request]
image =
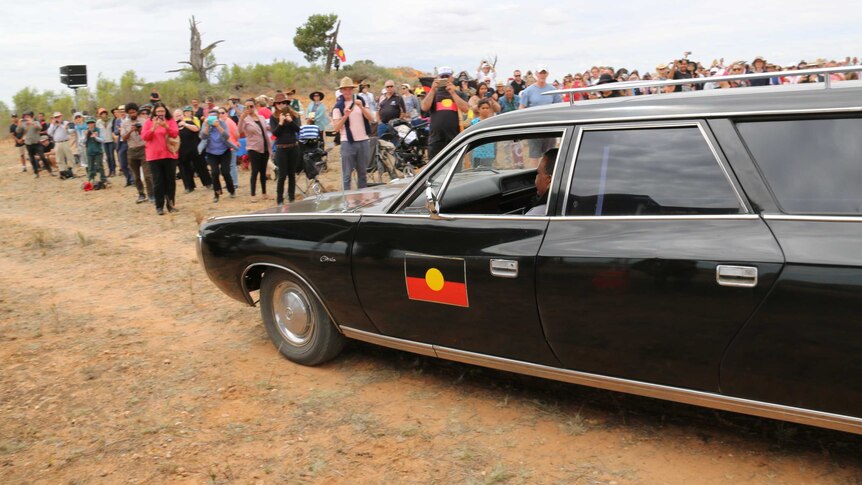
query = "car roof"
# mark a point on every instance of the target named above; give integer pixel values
(751, 101)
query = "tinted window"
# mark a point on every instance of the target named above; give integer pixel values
(812, 166)
(662, 171)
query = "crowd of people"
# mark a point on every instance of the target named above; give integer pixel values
(151, 147)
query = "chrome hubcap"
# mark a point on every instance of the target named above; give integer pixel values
(294, 316)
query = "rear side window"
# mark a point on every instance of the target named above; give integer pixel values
(812, 166)
(656, 171)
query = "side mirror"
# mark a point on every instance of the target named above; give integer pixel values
(431, 203)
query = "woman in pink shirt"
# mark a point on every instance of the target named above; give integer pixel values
(163, 163)
(253, 128)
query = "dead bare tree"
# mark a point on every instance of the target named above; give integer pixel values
(200, 61)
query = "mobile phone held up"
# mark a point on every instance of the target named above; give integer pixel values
(443, 83)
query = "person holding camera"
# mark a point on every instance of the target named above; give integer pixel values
(105, 127)
(218, 152)
(160, 157)
(253, 128)
(444, 105)
(352, 117)
(284, 125)
(130, 132)
(93, 143)
(30, 130)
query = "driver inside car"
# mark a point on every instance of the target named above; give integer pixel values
(543, 182)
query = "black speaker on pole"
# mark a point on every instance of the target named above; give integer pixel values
(74, 76)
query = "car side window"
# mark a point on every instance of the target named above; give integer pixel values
(496, 175)
(416, 201)
(812, 166)
(649, 171)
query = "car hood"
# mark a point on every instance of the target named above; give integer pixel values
(368, 200)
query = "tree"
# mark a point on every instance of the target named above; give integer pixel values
(201, 61)
(313, 39)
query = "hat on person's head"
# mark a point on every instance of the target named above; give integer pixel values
(187, 108)
(661, 67)
(445, 71)
(319, 93)
(90, 119)
(500, 84)
(56, 114)
(290, 90)
(78, 115)
(121, 107)
(43, 138)
(100, 111)
(145, 107)
(540, 68)
(606, 79)
(28, 113)
(405, 85)
(346, 82)
(14, 115)
(759, 58)
(280, 98)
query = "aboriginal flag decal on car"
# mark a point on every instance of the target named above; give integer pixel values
(436, 279)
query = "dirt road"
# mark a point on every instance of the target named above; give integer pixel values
(121, 363)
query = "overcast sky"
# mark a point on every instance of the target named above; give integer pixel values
(111, 37)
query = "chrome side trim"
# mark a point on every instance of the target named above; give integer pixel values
(703, 217)
(251, 302)
(391, 342)
(698, 398)
(285, 215)
(800, 218)
(710, 114)
(450, 217)
(636, 126)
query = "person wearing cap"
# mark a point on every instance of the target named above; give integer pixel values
(444, 106)
(48, 147)
(486, 74)
(58, 131)
(19, 141)
(317, 111)
(352, 117)
(93, 143)
(284, 126)
(30, 130)
(130, 132)
(534, 94)
(105, 127)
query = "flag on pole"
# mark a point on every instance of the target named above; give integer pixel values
(339, 53)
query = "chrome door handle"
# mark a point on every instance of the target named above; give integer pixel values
(504, 268)
(741, 276)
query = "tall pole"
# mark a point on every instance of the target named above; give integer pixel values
(332, 43)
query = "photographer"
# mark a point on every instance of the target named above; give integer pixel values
(93, 143)
(218, 153)
(253, 128)
(130, 132)
(161, 159)
(30, 130)
(444, 106)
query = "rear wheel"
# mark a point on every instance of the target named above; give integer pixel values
(295, 320)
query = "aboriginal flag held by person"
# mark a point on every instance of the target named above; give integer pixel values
(436, 279)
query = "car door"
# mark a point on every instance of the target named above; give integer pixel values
(657, 260)
(803, 347)
(464, 278)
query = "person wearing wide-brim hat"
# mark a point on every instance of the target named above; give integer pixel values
(316, 112)
(352, 117)
(288, 155)
(758, 65)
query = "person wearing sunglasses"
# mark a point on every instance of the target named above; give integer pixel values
(218, 149)
(233, 136)
(284, 125)
(391, 107)
(517, 83)
(445, 107)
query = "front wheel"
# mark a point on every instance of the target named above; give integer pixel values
(295, 320)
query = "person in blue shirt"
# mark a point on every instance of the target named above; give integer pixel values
(534, 94)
